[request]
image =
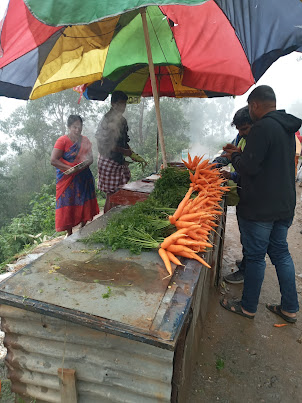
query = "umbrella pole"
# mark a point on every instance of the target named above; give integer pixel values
(154, 88)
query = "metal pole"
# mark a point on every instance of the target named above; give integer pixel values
(154, 89)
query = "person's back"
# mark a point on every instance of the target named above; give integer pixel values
(111, 133)
(269, 182)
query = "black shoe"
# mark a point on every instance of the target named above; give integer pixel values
(235, 278)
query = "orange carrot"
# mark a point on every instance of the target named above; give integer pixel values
(202, 233)
(191, 216)
(203, 164)
(171, 239)
(172, 219)
(280, 324)
(208, 172)
(186, 164)
(174, 259)
(163, 254)
(184, 224)
(197, 236)
(212, 165)
(196, 173)
(179, 248)
(194, 256)
(187, 206)
(200, 259)
(194, 162)
(191, 242)
(182, 204)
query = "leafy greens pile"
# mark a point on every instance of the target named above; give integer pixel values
(145, 222)
(172, 186)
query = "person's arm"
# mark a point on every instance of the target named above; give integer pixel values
(56, 155)
(221, 161)
(234, 176)
(250, 161)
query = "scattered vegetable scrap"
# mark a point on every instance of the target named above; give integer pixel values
(108, 293)
(280, 324)
(53, 269)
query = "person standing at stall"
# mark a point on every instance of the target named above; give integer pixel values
(243, 123)
(75, 192)
(113, 146)
(267, 203)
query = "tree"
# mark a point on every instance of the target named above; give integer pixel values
(7, 208)
(174, 128)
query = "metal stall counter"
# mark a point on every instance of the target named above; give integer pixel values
(93, 325)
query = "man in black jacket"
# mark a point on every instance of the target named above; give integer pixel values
(267, 203)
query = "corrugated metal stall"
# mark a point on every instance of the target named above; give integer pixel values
(128, 332)
(108, 369)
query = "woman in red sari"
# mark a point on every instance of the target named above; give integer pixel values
(75, 193)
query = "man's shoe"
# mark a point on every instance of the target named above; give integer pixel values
(235, 278)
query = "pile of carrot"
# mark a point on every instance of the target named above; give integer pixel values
(195, 217)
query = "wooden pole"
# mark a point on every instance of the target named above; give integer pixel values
(68, 385)
(154, 88)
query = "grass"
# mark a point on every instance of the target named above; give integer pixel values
(219, 363)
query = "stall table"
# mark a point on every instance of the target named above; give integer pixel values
(112, 325)
(133, 192)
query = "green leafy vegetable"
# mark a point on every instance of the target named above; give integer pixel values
(144, 225)
(171, 188)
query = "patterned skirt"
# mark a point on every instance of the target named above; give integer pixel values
(112, 175)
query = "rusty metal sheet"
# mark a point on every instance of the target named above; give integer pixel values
(108, 368)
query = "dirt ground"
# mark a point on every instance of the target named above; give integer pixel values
(251, 361)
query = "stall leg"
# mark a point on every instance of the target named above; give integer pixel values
(68, 385)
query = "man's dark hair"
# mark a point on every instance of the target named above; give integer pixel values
(118, 96)
(263, 93)
(73, 118)
(242, 117)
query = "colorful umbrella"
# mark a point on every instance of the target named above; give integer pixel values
(136, 83)
(203, 47)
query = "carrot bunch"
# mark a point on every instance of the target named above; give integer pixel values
(195, 217)
(192, 164)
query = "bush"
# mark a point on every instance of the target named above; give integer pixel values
(27, 229)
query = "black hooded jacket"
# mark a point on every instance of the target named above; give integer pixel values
(267, 168)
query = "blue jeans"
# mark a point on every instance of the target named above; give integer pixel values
(258, 239)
